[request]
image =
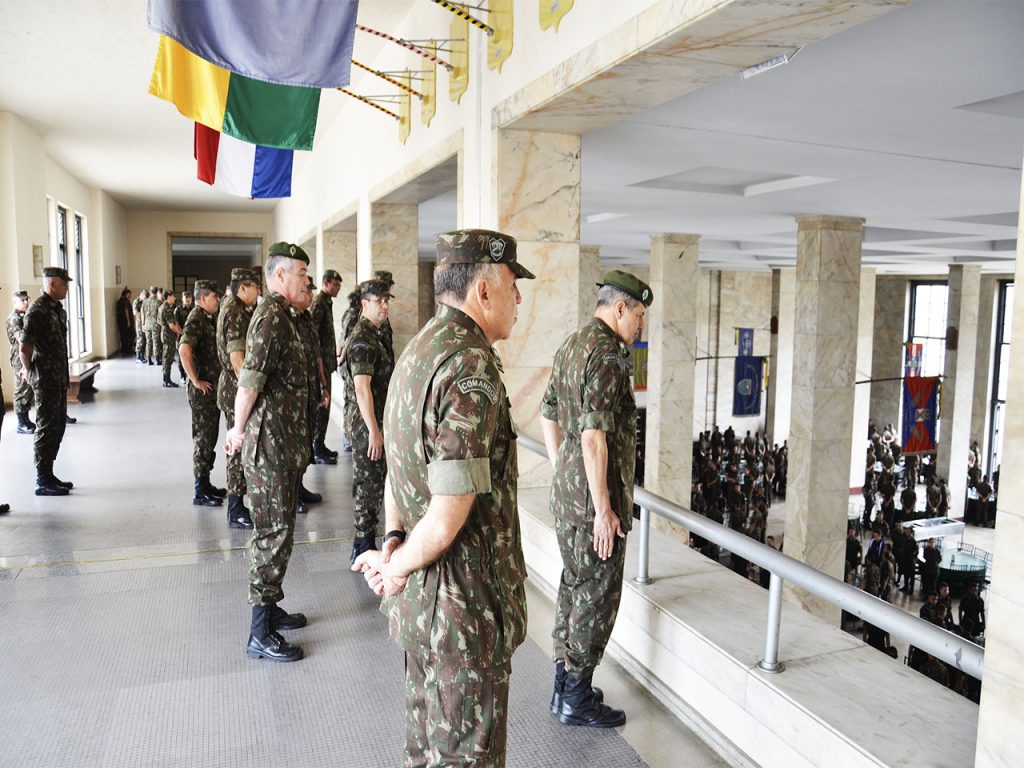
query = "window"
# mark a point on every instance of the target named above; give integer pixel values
(928, 305)
(1001, 375)
(83, 343)
(62, 252)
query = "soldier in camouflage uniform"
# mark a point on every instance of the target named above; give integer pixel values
(161, 297)
(456, 601)
(589, 421)
(272, 431)
(322, 312)
(140, 326)
(316, 384)
(198, 350)
(23, 397)
(44, 362)
(181, 312)
(5, 508)
(368, 366)
(150, 310)
(170, 330)
(232, 325)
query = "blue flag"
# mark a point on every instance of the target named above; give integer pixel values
(746, 394)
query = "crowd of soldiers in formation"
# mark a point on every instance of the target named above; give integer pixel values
(735, 480)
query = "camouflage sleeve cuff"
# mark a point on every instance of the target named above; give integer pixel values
(238, 345)
(602, 420)
(459, 476)
(549, 412)
(251, 379)
(186, 339)
(361, 369)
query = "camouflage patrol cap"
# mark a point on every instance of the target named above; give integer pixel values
(332, 274)
(21, 294)
(256, 275)
(385, 276)
(290, 250)
(630, 284)
(480, 246)
(208, 285)
(241, 275)
(375, 288)
(57, 272)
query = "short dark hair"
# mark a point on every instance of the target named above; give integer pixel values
(453, 281)
(610, 294)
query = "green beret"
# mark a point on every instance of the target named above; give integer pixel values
(57, 272)
(332, 274)
(375, 288)
(289, 250)
(383, 274)
(630, 284)
(480, 246)
(207, 285)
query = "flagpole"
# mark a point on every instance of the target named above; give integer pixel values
(407, 45)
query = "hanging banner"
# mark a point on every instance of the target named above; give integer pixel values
(745, 341)
(920, 413)
(640, 365)
(914, 356)
(746, 394)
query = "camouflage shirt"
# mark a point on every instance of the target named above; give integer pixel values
(201, 334)
(323, 319)
(450, 433)
(232, 326)
(150, 312)
(366, 355)
(277, 432)
(15, 328)
(589, 388)
(166, 316)
(137, 309)
(46, 330)
(181, 313)
(311, 345)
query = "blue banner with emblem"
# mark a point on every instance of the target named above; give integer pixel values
(746, 393)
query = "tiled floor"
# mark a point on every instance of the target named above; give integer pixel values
(124, 619)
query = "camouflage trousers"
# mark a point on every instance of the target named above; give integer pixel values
(51, 421)
(236, 476)
(454, 715)
(588, 598)
(367, 482)
(205, 426)
(140, 340)
(24, 397)
(169, 343)
(323, 418)
(152, 340)
(272, 495)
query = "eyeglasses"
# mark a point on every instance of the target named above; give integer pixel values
(383, 302)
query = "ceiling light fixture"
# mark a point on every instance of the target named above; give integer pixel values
(771, 63)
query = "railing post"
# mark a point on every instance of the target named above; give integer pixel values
(770, 662)
(642, 576)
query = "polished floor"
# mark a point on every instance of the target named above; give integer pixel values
(123, 619)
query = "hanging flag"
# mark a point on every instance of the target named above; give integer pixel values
(240, 168)
(746, 397)
(289, 42)
(920, 413)
(281, 116)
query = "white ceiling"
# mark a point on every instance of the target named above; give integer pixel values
(914, 121)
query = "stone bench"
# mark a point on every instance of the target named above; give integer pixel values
(80, 378)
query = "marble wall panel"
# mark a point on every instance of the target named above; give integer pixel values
(394, 246)
(887, 349)
(538, 186)
(780, 380)
(988, 305)
(862, 372)
(590, 275)
(339, 253)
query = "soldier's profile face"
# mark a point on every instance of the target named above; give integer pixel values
(505, 298)
(57, 288)
(633, 324)
(294, 279)
(22, 304)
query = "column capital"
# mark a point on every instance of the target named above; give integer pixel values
(844, 223)
(674, 238)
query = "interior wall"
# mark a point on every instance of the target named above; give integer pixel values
(108, 250)
(207, 269)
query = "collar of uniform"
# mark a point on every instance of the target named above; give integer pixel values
(607, 330)
(453, 315)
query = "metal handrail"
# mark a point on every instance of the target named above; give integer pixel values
(945, 646)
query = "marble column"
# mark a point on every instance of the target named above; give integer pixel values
(394, 246)
(339, 253)
(590, 275)
(862, 392)
(824, 365)
(958, 382)
(1001, 716)
(537, 199)
(780, 380)
(988, 304)
(671, 370)
(887, 351)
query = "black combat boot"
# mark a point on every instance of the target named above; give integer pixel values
(307, 496)
(25, 427)
(361, 544)
(62, 483)
(556, 697)
(281, 619)
(323, 456)
(202, 498)
(4, 509)
(265, 643)
(238, 515)
(150, 361)
(212, 490)
(46, 483)
(300, 507)
(169, 383)
(581, 707)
